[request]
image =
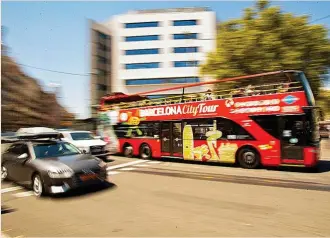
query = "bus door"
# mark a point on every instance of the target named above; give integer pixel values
(293, 137)
(171, 138)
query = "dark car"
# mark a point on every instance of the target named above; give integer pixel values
(50, 166)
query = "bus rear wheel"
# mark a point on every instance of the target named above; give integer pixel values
(145, 151)
(128, 151)
(248, 158)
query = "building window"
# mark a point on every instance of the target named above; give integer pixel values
(184, 22)
(102, 76)
(141, 24)
(162, 80)
(102, 35)
(102, 87)
(179, 64)
(101, 59)
(141, 38)
(102, 47)
(151, 65)
(142, 52)
(185, 36)
(185, 49)
(101, 72)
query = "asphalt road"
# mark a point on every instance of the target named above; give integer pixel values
(167, 198)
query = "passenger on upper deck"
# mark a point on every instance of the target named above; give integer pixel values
(249, 91)
(208, 95)
(283, 88)
(238, 92)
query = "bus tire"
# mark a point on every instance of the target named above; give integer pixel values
(145, 151)
(128, 151)
(248, 158)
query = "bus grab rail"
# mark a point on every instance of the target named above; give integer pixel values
(218, 94)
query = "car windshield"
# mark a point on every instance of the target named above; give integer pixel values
(54, 150)
(82, 136)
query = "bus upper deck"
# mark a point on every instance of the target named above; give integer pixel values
(244, 86)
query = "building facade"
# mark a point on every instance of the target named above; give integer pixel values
(25, 104)
(150, 50)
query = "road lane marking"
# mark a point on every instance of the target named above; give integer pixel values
(126, 164)
(113, 172)
(23, 194)
(141, 165)
(10, 189)
(154, 162)
(127, 169)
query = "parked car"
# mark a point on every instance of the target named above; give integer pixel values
(85, 141)
(48, 165)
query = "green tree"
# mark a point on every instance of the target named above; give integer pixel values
(266, 39)
(324, 103)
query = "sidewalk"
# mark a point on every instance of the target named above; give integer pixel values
(4, 235)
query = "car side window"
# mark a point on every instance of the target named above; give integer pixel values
(24, 149)
(15, 149)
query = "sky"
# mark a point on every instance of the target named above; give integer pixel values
(55, 36)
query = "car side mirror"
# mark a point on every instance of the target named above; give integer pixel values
(84, 152)
(23, 156)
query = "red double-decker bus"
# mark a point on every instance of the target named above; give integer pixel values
(267, 119)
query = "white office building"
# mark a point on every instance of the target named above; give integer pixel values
(149, 50)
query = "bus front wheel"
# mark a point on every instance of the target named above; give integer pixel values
(248, 158)
(145, 151)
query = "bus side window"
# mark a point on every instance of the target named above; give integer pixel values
(232, 131)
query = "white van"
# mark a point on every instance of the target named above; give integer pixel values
(86, 142)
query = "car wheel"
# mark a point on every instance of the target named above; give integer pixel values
(145, 151)
(37, 186)
(4, 173)
(248, 158)
(128, 151)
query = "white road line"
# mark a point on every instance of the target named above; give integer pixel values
(126, 164)
(6, 190)
(23, 194)
(113, 172)
(126, 169)
(154, 162)
(141, 165)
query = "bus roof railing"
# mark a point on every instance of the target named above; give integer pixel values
(219, 94)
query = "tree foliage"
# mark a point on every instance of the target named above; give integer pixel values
(324, 103)
(266, 39)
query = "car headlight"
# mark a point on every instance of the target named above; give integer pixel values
(63, 173)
